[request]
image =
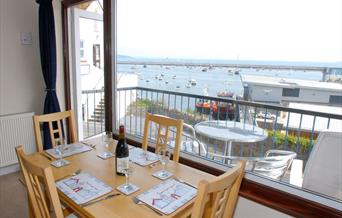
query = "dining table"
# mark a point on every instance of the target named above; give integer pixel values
(104, 170)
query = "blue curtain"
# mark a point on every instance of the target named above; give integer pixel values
(47, 43)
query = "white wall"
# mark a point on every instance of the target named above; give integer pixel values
(249, 209)
(21, 80)
(265, 93)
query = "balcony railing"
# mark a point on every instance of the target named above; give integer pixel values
(288, 129)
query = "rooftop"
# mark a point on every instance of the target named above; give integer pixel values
(321, 123)
(290, 83)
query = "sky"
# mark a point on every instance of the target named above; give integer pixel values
(271, 30)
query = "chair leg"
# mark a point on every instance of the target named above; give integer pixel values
(31, 214)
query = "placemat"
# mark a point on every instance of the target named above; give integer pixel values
(138, 156)
(71, 149)
(168, 196)
(83, 187)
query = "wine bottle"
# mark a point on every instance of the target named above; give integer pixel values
(121, 153)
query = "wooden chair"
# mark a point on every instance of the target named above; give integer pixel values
(164, 123)
(54, 121)
(34, 174)
(217, 198)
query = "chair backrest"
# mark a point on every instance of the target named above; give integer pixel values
(275, 164)
(33, 175)
(217, 198)
(323, 171)
(164, 124)
(54, 122)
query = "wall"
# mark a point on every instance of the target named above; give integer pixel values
(249, 209)
(21, 81)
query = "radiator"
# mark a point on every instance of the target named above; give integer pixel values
(16, 129)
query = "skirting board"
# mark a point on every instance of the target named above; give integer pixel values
(9, 169)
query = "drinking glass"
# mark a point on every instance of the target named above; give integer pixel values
(128, 172)
(107, 138)
(60, 147)
(164, 157)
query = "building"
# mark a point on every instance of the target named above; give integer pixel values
(281, 91)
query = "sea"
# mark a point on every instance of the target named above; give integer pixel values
(209, 80)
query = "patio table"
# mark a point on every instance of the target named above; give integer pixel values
(231, 131)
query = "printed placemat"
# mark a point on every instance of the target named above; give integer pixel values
(168, 196)
(69, 150)
(138, 156)
(83, 187)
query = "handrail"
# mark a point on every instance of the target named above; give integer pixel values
(220, 99)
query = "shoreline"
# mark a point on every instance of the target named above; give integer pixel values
(235, 66)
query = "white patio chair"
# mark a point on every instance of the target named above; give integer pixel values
(189, 141)
(275, 164)
(323, 171)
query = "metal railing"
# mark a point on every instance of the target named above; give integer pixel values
(288, 129)
(92, 112)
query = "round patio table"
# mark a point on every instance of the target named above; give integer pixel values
(231, 131)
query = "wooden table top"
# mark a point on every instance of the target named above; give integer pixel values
(120, 206)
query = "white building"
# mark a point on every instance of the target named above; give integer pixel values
(279, 90)
(311, 123)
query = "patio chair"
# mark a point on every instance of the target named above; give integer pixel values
(323, 171)
(190, 142)
(275, 164)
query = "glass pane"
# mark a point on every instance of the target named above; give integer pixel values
(246, 78)
(88, 32)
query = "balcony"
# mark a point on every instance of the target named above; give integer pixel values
(286, 129)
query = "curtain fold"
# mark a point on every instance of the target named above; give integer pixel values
(47, 43)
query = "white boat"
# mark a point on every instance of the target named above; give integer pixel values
(188, 85)
(174, 77)
(193, 82)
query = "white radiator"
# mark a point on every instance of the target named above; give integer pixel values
(16, 129)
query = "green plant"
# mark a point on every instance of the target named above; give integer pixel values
(292, 140)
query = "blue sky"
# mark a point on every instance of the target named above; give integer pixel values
(276, 30)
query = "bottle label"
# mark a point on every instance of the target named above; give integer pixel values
(122, 164)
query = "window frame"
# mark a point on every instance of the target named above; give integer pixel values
(266, 195)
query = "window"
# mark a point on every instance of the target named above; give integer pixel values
(290, 92)
(96, 55)
(82, 49)
(335, 99)
(191, 66)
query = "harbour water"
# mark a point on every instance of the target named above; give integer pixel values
(211, 80)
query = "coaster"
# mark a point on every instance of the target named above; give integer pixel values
(163, 175)
(59, 163)
(132, 188)
(105, 155)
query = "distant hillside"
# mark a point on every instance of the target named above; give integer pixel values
(123, 57)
